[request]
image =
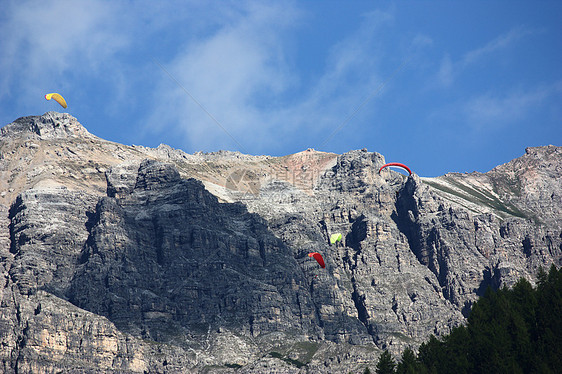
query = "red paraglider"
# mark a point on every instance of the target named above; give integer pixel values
(396, 164)
(318, 257)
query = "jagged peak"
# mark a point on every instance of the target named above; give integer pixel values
(543, 150)
(544, 157)
(51, 125)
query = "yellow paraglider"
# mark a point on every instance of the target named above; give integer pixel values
(57, 97)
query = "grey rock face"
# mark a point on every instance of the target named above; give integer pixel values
(373, 280)
(502, 228)
(171, 262)
(166, 255)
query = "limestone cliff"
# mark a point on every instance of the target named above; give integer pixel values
(130, 259)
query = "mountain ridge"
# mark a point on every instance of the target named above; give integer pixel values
(128, 259)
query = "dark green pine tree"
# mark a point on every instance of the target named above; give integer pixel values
(522, 325)
(431, 354)
(455, 352)
(548, 329)
(409, 363)
(386, 364)
(491, 323)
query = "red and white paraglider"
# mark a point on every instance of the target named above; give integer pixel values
(397, 164)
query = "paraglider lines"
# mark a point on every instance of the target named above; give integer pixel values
(198, 103)
(369, 98)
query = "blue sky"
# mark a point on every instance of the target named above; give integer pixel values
(442, 86)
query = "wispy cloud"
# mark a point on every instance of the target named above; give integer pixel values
(501, 42)
(493, 111)
(450, 69)
(44, 40)
(228, 72)
(242, 74)
(239, 60)
(446, 71)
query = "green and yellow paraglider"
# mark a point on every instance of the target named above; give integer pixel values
(57, 97)
(334, 238)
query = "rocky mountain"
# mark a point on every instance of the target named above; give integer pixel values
(128, 259)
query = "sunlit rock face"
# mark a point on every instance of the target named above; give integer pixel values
(130, 259)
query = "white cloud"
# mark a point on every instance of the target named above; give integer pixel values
(445, 76)
(242, 75)
(497, 111)
(501, 42)
(43, 40)
(227, 72)
(422, 41)
(237, 59)
(449, 69)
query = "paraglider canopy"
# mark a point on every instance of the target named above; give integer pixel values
(318, 257)
(335, 238)
(398, 164)
(57, 97)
